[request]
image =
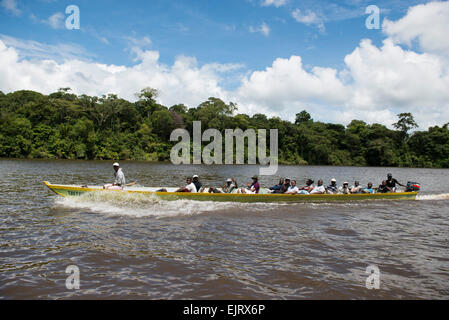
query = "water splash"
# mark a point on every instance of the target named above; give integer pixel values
(134, 205)
(442, 196)
(142, 205)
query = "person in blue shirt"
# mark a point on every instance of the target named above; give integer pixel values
(278, 186)
(368, 189)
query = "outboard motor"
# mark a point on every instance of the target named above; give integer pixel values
(413, 187)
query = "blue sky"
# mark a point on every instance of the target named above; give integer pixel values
(210, 30)
(230, 49)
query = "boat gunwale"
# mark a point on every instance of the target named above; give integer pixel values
(190, 194)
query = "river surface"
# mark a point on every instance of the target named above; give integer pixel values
(138, 247)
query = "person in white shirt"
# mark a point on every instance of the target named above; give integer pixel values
(293, 189)
(190, 187)
(345, 188)
(319, 189)
(229, 187)
(119, 179)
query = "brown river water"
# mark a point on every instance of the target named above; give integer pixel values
(138, 247)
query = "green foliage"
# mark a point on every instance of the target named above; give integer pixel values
(405, 123)
(65, 126)
(303, 117)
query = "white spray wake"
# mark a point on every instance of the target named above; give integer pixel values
(442, 196)
(139, 205)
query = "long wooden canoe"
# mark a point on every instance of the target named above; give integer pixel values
(73, 191)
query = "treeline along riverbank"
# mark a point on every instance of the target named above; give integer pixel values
(66, 126)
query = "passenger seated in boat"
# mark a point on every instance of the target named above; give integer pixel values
(293, 189)
(278, 186)
(197, 183)
(383, 188)
(332, 188)
(229, 187)
(319, 189)
(368, 189)
(391, 183)
(356, 188)
(345, 188)
(284, 187)
(251, 188)
(190, 187)
(307, 188)
(119, 179)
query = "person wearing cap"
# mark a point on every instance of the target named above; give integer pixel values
(119, 179)
(391, 183)
(332, 188)
(197, 183)
(319, 189)
(229, 187)
(345, 188)
(251, 188)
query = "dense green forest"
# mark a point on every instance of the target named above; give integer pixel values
(66, 126)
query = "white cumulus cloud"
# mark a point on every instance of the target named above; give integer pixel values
(286, 82)
(375, 85)
(428, 24)
(183, 82)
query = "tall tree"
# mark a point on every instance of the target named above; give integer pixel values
(147, 101)
(405, 123)
(303, 117)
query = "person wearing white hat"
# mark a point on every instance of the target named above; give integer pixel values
(229, 187)
(119, 179)
(332, 188)
(345, 188)
(197, 183)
